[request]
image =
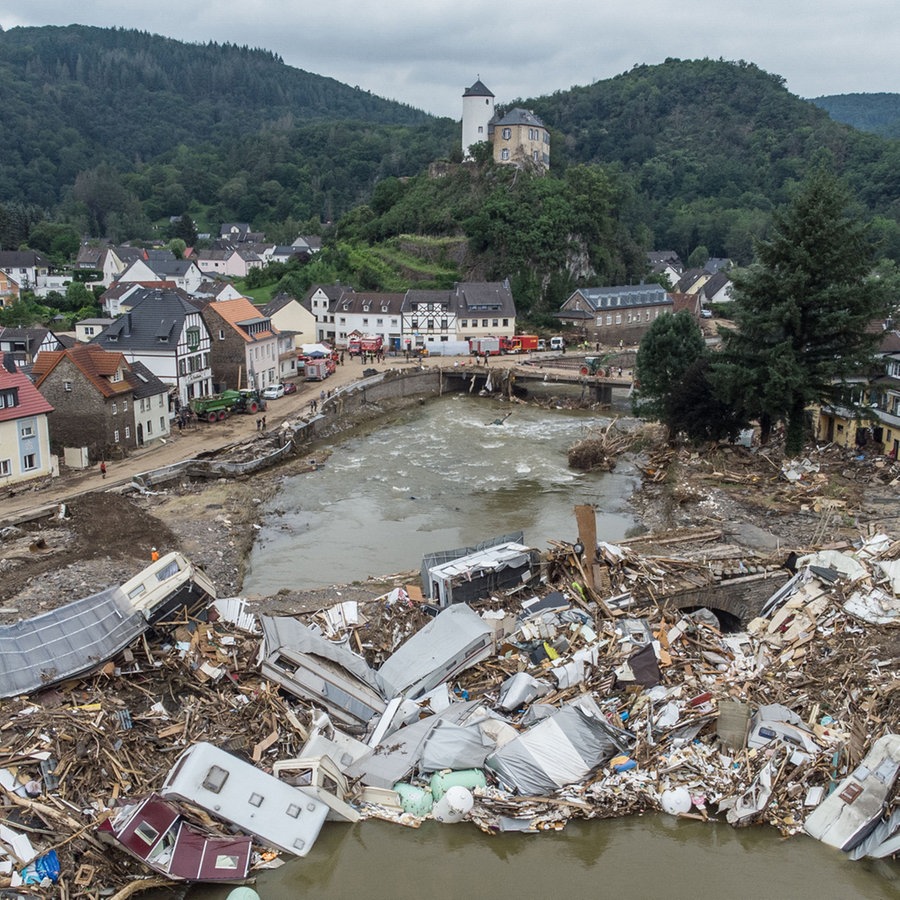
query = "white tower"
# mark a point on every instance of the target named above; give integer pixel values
(478, 110)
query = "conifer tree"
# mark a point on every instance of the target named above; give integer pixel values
(802, 312)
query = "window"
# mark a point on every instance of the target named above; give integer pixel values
(149, 428)
(221, 334)
(162, 423)
(5, 467)
(147, 833)
(182, 367)
(215, 779)
(484, 323)
(67, 385)
(504, 153)
(160, 404)
(27, 431)
(505, 323)
(495, 323)
(127, 432)
(256, 799)
(124, 406)
(29, 461)
(507, 134)
(116, 436)
(226, 861)
(115, 408)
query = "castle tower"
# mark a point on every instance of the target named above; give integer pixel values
(478, 110)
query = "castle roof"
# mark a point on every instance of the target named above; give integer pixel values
(478, 90)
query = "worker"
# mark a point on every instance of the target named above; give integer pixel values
(154, 554)
(103, 469)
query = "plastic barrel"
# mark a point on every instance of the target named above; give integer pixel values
(454, 806)
(415, 800)
(441, 782)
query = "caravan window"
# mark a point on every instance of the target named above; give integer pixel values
(215, 779)
(146, 832)
(256, 799)
(293, 811)
(226, 862)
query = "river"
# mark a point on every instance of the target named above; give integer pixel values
(442, 476)
(437, 477)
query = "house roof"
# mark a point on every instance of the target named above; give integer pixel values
(22, 259)
(520, 116)
(29, 338)
(144, 383)
(715, 284)
(477, 90)
(31, 402)
(690, 277)
(240, 314)
(370, 302)
(623, 296)
(333, 292)
(484, 296)
(278, 303)
(95, 363)
(155, 313)
(890, 343)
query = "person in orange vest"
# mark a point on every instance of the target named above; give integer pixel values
(154, 554)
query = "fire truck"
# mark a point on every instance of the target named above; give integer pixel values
(519, 343)
(364, 343)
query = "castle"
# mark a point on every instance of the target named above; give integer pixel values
(518, 138)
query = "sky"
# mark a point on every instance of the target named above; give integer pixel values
(426, 53)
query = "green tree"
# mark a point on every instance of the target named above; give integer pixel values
(671, 345)
(803, 311)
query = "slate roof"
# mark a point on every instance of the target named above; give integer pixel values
(144, 383)
(154, 313)
(519, 116)
(379, 303)
(622, 296)
(477, 90)
(22, 259)
(31, 401)
(97, 365)
(278, 303)
(715, 284)
(415, 296)
(492, 297)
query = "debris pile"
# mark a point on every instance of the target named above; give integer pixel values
(606, 686)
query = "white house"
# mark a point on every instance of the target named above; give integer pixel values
(24, 433)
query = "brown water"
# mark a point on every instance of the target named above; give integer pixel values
(627, 859)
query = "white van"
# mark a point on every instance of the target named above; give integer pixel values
(557, 343)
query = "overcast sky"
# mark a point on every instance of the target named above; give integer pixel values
(425, 53)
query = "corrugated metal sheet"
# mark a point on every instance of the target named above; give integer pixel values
(67, 641)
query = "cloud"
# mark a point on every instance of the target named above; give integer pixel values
(426, 53)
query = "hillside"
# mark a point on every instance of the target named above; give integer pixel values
(877, 113)
(78, 96)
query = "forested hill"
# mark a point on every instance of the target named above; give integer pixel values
(77, 96)
(878, 113)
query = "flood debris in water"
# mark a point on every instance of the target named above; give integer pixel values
(718, 684)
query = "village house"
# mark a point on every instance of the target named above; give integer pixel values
(239, 233)
(321, 300)
(368, 312)
(26, 267)
(24, 344)
(9, 289)
(716, 290)
(296, 325)
(183, 273)
(87, 329)
(666, 264)
(232, 262)
(215, 291)
(101, 401)
(879, 394)
(244, 345)
(483, 309)
(24, 432)
(609, 315)
(164, 330)
(692, 280)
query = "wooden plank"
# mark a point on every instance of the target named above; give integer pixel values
(586, 517)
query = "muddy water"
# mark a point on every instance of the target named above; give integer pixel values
(442, 476)
(636, 858)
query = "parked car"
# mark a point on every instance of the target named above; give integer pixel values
(273, 391)
(706, 313)
(290, 387)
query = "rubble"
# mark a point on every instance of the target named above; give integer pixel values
(626, 678)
